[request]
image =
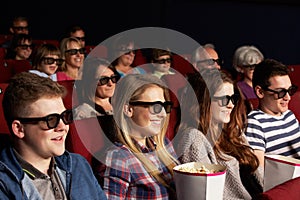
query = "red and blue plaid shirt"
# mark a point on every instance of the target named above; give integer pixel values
(126, 178)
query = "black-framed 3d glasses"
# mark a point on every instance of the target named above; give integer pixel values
(25, 46)
(104, 79)
(20, 28)
(50, 61)
(80, 38)
(163, 61)
(126, 50)
(282, 92)
(75, 51)
(224, 100)
(219, 61)
(154, 107)
(51, 120)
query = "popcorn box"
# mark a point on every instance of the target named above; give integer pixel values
(279, 169)
(190, 183)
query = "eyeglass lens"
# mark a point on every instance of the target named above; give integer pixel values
(154, 107)
(163, 61)
(75, 51)
(25, 46)
(225, 99)
(211, 61)
(104, 80)
(51, 120)
(292, 90)
(50, 61)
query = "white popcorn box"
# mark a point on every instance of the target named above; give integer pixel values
(279, 169)
(199, 185)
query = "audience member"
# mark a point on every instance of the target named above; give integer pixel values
(140, 166)
(77, 32)
(36, 165)
(161, 62)
(245, 59)
(123, 54)
(273, 128)
(72, 53)
(206, 57)
(46, 61)
(19, 25)
(20, 48)
(212, 131)
(97, 87)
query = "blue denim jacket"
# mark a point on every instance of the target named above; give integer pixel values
(75, 173)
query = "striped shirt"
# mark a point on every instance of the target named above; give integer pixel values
(278, 135)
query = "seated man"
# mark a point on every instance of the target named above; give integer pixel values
(273, 128)
(36, 165)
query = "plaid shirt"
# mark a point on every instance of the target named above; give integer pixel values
(126, 178)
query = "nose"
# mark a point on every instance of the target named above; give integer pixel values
(230, 104)
(62, 126)
(287, 96)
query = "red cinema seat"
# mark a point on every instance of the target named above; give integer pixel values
(182, 64)
(99, 51)
(175, 84)
(295, 74)
(17, 66)
(3, 126)
(5, 72)
(71, 99)
(47, 41)
(294, 104)
(90, 136)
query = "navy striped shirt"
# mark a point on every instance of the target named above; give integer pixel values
(274, 134)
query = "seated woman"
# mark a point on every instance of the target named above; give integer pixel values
(96, 88)
(46, 61)
(73, 54)
(212, 131)
(123, 55)
(245, 59)
(141, 164)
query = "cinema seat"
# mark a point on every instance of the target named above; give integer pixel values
(71, 99)
(90, 136)
(286, 190)
(3, 125)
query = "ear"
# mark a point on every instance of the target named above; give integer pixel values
(128, 111)
(259, 92)
(18, 129)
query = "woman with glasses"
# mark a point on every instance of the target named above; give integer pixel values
(245, 59)
(96, 88)
(140, 165)
(46, 61)
(212, 131)
(73, 53)
(123, 55)
(273, 128)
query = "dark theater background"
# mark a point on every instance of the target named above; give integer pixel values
(272, 26)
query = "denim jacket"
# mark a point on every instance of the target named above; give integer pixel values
(74, 171)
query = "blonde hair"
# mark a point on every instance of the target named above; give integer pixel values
(64, 47)
(130, 88)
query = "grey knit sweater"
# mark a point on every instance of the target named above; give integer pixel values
(194, 147)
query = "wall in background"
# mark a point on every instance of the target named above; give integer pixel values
(272, 26)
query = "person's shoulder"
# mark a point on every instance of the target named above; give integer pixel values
(62, 76)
